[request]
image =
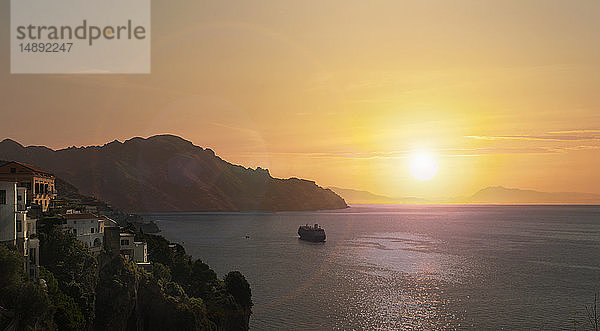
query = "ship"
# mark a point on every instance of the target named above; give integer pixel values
(311, 233)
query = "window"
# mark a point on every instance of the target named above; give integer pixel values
(13, 170)
(2, 197)
(19, 198)
(92, 230)
(37, 188)
(124, 242)
(19, 226)
(75, 231)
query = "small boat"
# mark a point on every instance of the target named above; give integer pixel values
(311, 233)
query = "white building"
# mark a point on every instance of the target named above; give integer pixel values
(88, 228)
(16, 228)
(93, 230)
(108, 222)
(133, 250)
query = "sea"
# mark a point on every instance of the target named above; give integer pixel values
(398, 267)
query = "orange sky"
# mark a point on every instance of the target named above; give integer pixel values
(501, 93)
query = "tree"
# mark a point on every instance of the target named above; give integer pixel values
(238, 286)
(71, 263)
(23, 304)
(67, 314)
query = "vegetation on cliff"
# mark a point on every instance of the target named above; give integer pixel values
(24, 305)
(228, 302)
(74, 269)
(84, 292)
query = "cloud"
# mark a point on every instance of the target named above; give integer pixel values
(551, 142)
(557, 141)
(332, 155)
(577, 131)
(236, 128)
(448, 152)
(565, 137)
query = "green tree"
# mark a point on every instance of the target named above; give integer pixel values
(71, 263)
(202, 281)
(161, 272)
(24, 305)
(238, 286)
(67, 314)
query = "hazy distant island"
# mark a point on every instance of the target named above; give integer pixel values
(168, 173)
(503, 195)
(365, 197)
(488, 195)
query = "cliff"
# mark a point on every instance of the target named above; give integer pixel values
(85, 292)
(168, 173)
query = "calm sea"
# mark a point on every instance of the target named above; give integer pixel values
(399, 267)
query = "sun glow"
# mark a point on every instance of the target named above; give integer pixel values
(423, 167)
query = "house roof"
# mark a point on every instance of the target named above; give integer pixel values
(108, 221)
(85, 216)
(28, 166)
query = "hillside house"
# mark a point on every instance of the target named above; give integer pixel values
(16, 228)
(122, 242)
(39, 183)
(87, 228)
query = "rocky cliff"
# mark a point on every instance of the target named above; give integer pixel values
(168, 173)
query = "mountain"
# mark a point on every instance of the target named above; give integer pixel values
(488, 195)
(503, 195)
(365, 197)
(168, 173)
(361, 197)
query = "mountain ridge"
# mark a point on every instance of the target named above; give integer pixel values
(501, 194)
(365, 197)
(487, 195)
(169, 173)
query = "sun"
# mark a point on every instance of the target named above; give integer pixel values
(423, 167)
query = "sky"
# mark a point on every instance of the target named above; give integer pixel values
(347, 92)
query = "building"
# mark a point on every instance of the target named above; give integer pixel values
(132, 250)
(112, 240)
(16, 228)
(87, 228)
(97, 232)
(121, 242)
(39, 183)
(109, 222)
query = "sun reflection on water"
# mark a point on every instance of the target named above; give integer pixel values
(398, 284)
